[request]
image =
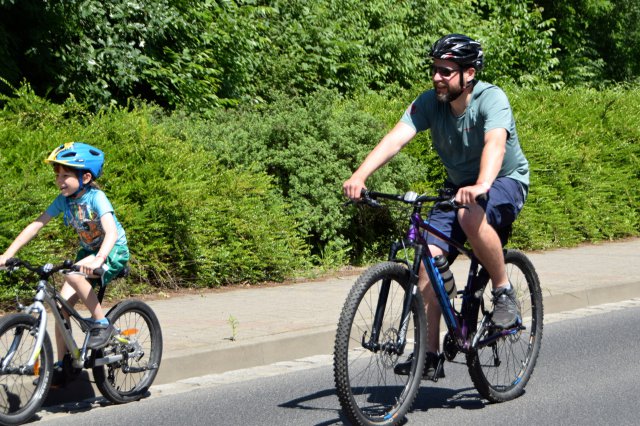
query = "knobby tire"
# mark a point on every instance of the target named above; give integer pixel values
(501, 370)
(369, 391)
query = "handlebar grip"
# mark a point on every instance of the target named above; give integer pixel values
(483, 197)
(11, 262)
(98, 271)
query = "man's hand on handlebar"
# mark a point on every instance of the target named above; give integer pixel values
(471, 194)
(353, 188)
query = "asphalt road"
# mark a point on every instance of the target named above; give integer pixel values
(587, 374)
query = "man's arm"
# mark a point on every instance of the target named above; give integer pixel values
(386, 149)
(495, 142)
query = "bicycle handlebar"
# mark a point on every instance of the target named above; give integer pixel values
(444, 201)
(48, 269)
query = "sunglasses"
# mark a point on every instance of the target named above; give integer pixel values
(443, 71)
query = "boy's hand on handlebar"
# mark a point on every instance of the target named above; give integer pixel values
(89, 267)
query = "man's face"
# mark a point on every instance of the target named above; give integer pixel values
(446, 79)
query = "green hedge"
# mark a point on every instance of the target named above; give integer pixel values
(584, 150)
(310, 145)
(189, 221)
(254, 194)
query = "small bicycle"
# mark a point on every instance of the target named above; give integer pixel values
(383, 323)
(123, 370)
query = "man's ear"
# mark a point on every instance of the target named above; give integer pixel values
(472, 73)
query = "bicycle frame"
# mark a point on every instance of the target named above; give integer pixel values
(46, 296)
(459, 324)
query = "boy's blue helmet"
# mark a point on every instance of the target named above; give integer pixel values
(78, 155)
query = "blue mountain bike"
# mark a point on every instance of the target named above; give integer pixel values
(383, 323)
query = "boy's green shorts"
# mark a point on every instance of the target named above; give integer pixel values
(116, 261)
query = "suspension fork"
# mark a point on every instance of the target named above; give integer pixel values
(398, 347)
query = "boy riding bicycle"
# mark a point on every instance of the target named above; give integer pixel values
(102, 239)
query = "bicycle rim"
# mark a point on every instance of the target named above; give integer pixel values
(500, 370)
(22, 392)
(369, 390)
(128, 380)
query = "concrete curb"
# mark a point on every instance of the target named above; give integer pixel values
(320, 341)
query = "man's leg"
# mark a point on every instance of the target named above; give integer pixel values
(485, 242)
(432, 308)
(487, 247)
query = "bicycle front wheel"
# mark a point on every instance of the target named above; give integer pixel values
(369, 390)
(501, 368)
(139, 341)
(22, 389)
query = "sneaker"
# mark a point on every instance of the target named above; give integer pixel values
(505, 307)
(99, 335)
(58, 378)
(433, 367)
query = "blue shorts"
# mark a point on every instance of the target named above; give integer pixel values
(504, 202)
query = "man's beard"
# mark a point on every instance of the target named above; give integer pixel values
(449, 95)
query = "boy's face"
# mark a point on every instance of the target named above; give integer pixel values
(67, 180)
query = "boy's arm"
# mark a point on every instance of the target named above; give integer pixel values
(27, 234)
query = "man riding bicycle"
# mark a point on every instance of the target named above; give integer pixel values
(473, 131)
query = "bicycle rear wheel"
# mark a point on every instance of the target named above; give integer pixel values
(501, 369)
(22, 391)
(369, 391)
(140, 342)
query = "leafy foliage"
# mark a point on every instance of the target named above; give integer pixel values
(585, 157)
(201, 55)
(189, 221)
(309, 146)
(597, 39)
(517, 42)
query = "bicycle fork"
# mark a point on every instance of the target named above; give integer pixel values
(32, 366)
(397, 346)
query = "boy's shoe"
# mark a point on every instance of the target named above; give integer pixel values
(58, 378)
(505, 307)
(433, 367)
(99, 335)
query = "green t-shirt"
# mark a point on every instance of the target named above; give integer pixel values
(459, 140)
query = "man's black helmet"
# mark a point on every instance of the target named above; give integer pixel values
(460, 49)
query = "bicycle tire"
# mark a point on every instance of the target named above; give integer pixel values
(129, 380)
(369, 391)
(22, 394)
(501, 370)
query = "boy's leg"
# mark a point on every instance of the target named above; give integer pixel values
(102, 330)
(85, 292)
(68, 293)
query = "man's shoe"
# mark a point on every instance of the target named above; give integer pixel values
(505, 307)
(433, 367)
(99, 335)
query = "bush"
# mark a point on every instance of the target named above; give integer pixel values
(585, 165)
(189, 221)
(310, 146)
